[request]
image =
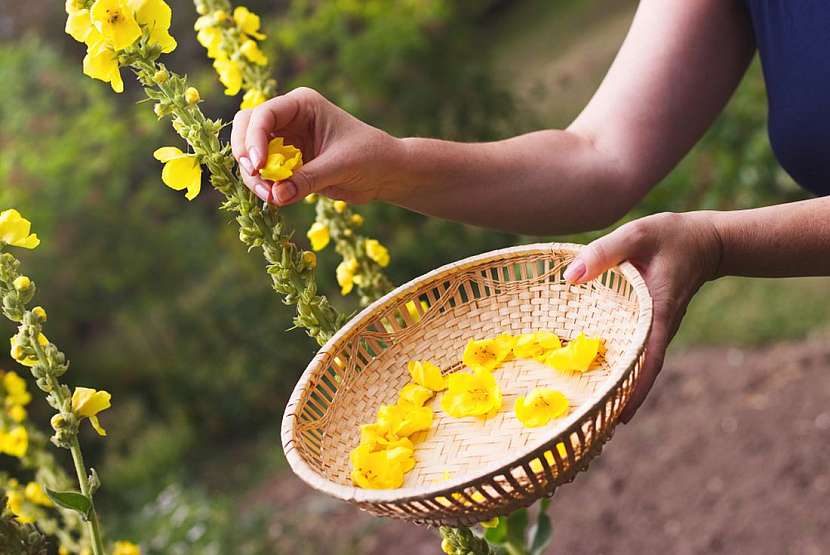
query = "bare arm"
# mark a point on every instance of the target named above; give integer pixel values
(676, 69)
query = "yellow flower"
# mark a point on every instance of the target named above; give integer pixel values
(535, 345)
(87, 403)
(248, 22)
(536, 465)
(576, 356)
(345, 275)
(383, 469)
(415, 394)
(357, 220)
(155, 15)
(63, 550)
(101, 63)
(282, 160)
(181, 171)
(487, 354)
(229, 74)
(250, 50)
(377, 252)
(34, 493)
(540, 407)
(125, 548)
(319, 236)
(404, 420)
(17, 413)
(22, 283)
(40, 313)
(211, 38)
(18, 351)
(115, 21)
(475, 394)
(15, 501)
(252, 99)
(15, 442)
(339, 206)
(79, 25)
(15, 387)
(426, 374)
(14, 230)
(310, 259)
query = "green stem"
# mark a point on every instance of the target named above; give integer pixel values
(92, 525)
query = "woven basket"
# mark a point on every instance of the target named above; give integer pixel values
(515, 290)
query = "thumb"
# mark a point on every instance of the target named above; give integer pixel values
(310, 178)
(600, 255)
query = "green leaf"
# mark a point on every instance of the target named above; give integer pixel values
(516, 527)
(542, 532)
(71, 500)
(497, 535)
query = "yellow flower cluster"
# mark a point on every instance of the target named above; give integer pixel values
(14, 439)
(387, 448)
(23, 502)
(108, 27)
(231, 41)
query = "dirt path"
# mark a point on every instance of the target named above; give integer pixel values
(730, 454)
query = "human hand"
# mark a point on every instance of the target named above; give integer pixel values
(343, 157)
(676, 254)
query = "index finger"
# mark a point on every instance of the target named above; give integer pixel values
(267, 118)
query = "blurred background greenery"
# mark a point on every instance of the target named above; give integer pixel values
(154, 300)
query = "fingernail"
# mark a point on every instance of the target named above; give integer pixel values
(285, 191)
(262, 191)
(253, 154)
(246, 166)
(575, 271)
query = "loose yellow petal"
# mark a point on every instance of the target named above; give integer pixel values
(487, 354)
(577, 356)
(475, 394)
(540, 407)
(426, 374)
(415, 394)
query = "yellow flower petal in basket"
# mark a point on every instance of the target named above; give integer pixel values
(536, 344)
(540, 407)
(475, 394)
(576, 356)
(380, 469)
(405, 420)
(427, 374)
(487, 354)
(415, 394)
(378, 438)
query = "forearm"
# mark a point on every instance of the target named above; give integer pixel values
(778, 241)
(542, 183)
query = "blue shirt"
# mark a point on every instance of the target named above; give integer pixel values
(793, 39)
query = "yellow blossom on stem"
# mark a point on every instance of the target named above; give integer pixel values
(540, 407)
(22, 283)
(15, 442)
(15, 502)
(155, 15)
(211, 39)
(14, 230)
(125, 548)
(377, 252)
(192, 96)
(34, 493)
(346, 275)
(488, 354)
(16, 413)
(252, 98)
(79, 25)
(115, 21)
(181, 171)
(475, 394)
(87, 403)
(319, 236)
(18, 352)
(229, 74)
(426, 374)
(101, 63)
(339, 206)
(281, 161)
(357, 220)
(250, 50)
(15, 387)
(248, 22)
(576, 356)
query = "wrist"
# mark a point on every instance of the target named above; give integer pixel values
(711, 244)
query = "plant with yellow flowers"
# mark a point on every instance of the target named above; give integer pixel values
(32, 349)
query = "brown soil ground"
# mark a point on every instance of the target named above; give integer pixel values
(730, 454)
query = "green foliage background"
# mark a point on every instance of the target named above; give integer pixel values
(154, 299)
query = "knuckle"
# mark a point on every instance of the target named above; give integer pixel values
(305, 94)
(638, 231)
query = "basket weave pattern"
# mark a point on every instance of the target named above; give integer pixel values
(516, 290)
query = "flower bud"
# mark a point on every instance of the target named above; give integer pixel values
(58, 422)
(311, 199)
(357, 220)
(160, 110)
(347, 232)
(22, 283)
(309, 259)
(339, 206)
(161, 77)
(191, 95)
(220, 15)
(40, 313)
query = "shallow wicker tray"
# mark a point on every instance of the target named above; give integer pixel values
(515, 290)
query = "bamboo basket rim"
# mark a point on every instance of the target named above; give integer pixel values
(619, 372)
